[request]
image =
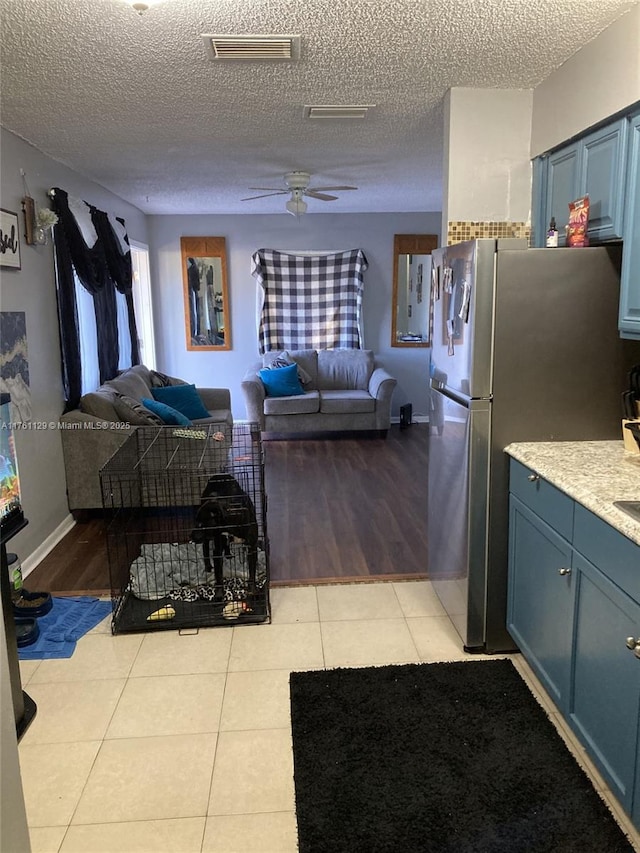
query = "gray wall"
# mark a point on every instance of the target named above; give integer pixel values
(32, 290)
(596, 82)
(372, 232)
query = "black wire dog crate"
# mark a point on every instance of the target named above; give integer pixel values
(186, 528)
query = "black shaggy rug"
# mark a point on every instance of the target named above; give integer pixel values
(437, 758)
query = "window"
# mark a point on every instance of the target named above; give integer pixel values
(142, 304)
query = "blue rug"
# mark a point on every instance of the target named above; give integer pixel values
(60, 629)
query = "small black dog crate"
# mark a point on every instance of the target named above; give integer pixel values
(186, 528)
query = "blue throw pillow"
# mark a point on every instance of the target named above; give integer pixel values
(281, 381)
(166, 413)
(184, 398)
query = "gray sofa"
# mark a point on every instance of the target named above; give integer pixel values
(344, 389)
(92, 433)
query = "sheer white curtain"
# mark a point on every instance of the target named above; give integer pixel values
(88, 334)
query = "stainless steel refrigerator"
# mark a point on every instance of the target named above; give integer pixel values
(525, 347)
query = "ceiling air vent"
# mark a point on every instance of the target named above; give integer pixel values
(335, 111)
(223, 48)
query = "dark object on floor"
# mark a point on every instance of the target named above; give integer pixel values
(635, 431)
(32, 604)
(406, 415)
(226, 511)
(68, 620)
(27, 632)
(445, 758)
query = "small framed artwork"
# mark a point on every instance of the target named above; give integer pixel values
(9, 240)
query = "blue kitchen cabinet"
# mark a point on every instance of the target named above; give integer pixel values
(563, 170)
(539, 225)
(541, 588)
(602, 172)
(580, 636)
(540, 603)
(593, 165)
(605, 691)
(629, 317)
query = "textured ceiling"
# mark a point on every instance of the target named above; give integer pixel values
(134, 103)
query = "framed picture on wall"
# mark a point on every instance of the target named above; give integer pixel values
(9, 240)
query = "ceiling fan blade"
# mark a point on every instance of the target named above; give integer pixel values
(333, 188)
(265, 195)
(275, 189)
(321, 196)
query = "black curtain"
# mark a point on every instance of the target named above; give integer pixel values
(119, 269)
(101, 269)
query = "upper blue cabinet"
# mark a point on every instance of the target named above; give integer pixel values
(593, 166)
(562, 182)
(629, 318)
(602, 168)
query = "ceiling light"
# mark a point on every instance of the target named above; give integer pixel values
(142, 7)
(296, 204)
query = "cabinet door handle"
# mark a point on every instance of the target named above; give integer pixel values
(564, 571)
(533, 478)
(632, 643)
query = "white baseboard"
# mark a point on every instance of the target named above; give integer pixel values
(36, 557)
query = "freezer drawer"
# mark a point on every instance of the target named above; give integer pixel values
(457, 513)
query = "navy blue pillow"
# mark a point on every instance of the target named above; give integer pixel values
(166, 413)
(281, 381)
(184, 398)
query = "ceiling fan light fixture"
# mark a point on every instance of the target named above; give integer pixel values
(142, 7)
(296, 206)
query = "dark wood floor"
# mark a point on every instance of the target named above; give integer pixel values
(338, 509)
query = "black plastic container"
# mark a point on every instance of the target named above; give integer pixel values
(32, 604)
(635, 431)
(27, 631)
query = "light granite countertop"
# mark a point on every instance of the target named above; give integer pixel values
(594, 473)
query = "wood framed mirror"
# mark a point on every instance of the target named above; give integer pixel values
(411, 308)
(206, 298)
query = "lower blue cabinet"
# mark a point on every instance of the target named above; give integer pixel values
(540, 602)
(605, 688)
(575, 615)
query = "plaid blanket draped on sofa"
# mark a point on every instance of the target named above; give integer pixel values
(310, 301)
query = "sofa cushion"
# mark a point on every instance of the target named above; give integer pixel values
(162, 380)
(131, 383)
(100, 404)
(282, 358)
(184, 398)
(216, 416)
(341, 369)
(134, 412)
(304, 404)
(166, 414)
(346, 402)
(281, 381)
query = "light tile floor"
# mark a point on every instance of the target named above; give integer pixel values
(182, 743)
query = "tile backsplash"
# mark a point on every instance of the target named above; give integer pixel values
(457, 232)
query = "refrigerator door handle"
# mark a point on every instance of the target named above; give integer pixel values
(456, 396)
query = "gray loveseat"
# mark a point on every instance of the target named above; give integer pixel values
(92, 433)
(344, 389)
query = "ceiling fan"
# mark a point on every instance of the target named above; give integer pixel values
(297, 184)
